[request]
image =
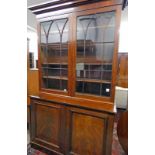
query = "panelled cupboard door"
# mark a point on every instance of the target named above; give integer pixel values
(90, 132)
(47, 124)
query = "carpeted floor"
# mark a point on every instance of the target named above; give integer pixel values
(116, 147)
(31, 151)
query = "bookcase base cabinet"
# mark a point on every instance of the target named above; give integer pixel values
(62, 129)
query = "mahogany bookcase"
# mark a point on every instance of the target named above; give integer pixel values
(78, 44)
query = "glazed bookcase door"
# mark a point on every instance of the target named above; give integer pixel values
(54, 54)
(95, 37)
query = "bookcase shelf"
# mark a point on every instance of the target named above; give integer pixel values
(92, 80)
(55, 77)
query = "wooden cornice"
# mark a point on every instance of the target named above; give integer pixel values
(54, 3)
(59, 5)
(63, 4)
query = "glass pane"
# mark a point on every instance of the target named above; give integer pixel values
(95, 46)
(54, 54)
(93, 88)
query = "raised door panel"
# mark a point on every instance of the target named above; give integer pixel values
(48, 123)
(47, 127)
(89, 133)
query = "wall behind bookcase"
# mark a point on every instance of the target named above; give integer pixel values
(123, 39)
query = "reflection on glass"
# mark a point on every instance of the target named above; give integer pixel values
(54, 52)
(95, 46)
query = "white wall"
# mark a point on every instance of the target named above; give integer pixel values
(31, 19)
(33, 45)
(32, 33)
(123, 38)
